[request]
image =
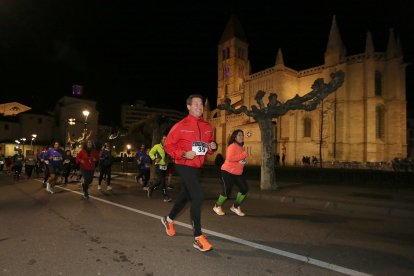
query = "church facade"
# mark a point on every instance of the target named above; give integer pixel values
(363, 121)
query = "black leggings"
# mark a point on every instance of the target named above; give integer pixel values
(87, 179)
(191, 190)
(230, 179)
(105, 170)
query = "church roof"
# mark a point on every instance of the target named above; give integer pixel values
(233, 29)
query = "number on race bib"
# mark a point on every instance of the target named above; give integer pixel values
(200, 148)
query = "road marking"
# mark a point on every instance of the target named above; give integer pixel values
(276, 251)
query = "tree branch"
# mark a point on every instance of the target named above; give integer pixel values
(275, 108)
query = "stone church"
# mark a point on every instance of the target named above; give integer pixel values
(363, 121)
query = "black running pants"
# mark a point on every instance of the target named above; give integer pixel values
(191, 190)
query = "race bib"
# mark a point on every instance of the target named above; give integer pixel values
(163, 167)
(200, 148)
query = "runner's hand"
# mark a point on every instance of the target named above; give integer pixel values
(190, 155)
(213, 145)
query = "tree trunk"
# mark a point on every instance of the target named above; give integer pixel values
(268, 175)
(321, 137)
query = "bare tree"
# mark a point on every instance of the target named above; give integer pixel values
(74, 142)
(274, 109)
(326, 108)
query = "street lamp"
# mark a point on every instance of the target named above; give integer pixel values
(33, 138)
(86, 114)
(23, 142)
(125, 158)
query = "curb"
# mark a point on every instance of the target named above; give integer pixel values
(320, 203)
(339, 205)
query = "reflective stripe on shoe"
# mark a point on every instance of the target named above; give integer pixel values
(169, 226)
(202, 244)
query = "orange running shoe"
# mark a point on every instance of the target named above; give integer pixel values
(169, 226)
(202, 244)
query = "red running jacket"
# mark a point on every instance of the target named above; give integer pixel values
(87, 162)
(182, 136)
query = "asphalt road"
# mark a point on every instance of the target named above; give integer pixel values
(119, 233)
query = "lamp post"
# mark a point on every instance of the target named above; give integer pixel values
(125, 159)
(86, 114)
(32, 140)
(18, 143)
(23, 142)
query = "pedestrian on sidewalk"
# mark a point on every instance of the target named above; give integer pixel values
(232, 174)
(87, 158)
(157, 154)
(187, 143)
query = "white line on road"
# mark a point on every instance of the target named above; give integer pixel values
(276, 251)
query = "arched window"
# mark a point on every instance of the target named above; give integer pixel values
(225, 53)
(378, 83)
(307, 126)
(226, 71)
(379, 122)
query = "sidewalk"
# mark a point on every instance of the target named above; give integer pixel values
(387, 202)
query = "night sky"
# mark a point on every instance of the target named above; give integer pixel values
(139, 50)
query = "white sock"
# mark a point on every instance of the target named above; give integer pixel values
(168, 219)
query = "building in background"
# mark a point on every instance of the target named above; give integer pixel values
(30, 130)
(410, 135)
(67, 121)
(363, 121)
(132, 114)
(71, 121)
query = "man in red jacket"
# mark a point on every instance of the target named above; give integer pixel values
(187, 143)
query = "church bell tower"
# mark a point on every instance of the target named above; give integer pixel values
(233, 63)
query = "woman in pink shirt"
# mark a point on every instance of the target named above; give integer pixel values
(232, 173)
